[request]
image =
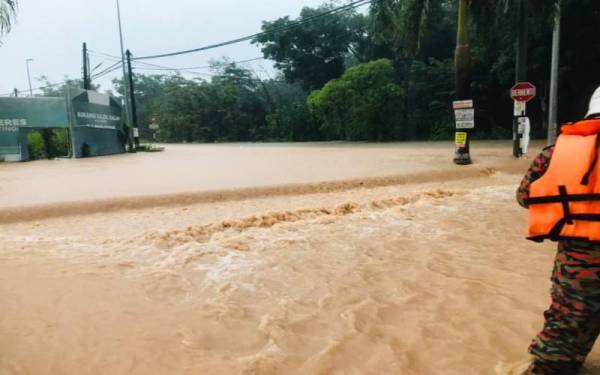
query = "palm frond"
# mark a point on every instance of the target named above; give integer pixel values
(8, 10)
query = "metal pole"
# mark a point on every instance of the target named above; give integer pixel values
(29, 76)
(521, 67)
(136, 137)
(86, 79)
(124, 81)
(553, 110)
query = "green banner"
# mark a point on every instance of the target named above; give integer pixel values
(33, 113)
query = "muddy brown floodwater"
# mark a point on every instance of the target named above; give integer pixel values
(269, 259)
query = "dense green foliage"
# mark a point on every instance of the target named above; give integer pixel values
(388, 74)
(36, 145)
(408, 96)
(233, 107)
(365, 103)
(48, 143)
(313, 53)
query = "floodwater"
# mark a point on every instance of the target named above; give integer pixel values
(252, 259)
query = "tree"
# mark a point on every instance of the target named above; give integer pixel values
(364, 104)
(50, 89)
(8, 10)
(314, 52)
(149, 91)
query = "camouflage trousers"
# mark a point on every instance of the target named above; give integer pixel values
(573, 319)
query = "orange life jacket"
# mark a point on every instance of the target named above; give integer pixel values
(565, 201)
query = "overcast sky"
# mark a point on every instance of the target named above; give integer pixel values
(51, 33)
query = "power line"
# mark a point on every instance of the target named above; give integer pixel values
(210, 66)
(156, 67)
(38, 88)
(104, 55)
(107, 70)
(349, 6)
(344, 8)
(173, 70)
(98, 75)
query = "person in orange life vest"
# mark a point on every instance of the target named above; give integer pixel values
(562, 192)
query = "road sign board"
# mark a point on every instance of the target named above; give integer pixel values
(523, 92)
(460, 139)
(462, 104)
(465, 118)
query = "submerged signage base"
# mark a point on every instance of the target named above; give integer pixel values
(94, 121)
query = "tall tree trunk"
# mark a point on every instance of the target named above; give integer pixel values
(462, 66)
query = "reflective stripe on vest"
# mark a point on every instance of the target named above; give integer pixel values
(565, 201)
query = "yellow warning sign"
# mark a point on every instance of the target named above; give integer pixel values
(461, 139)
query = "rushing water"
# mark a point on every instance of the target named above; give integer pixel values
(425, 274)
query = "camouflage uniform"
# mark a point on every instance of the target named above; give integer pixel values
(573, 319)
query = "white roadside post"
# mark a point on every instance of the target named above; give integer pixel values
(522, 93)
(154, 126)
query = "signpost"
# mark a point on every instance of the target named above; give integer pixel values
(521, 93)
(465, 121)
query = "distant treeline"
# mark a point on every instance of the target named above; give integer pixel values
(381, 76)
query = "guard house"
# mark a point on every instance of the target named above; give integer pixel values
(94, 121)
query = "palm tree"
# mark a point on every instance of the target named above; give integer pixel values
(8, 9)
(405, 24)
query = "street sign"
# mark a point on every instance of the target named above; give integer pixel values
(523, 92)
(465, 118)
(460, 139)
(462, 104)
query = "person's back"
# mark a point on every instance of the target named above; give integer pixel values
(562, 192)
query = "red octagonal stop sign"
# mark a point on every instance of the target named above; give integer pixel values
(523, 92)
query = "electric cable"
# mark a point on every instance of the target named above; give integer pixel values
(294, 24)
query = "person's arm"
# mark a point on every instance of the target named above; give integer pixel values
(538, 168)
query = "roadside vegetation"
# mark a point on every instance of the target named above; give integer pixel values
(387, 74)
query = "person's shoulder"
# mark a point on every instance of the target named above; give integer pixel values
(547, 151)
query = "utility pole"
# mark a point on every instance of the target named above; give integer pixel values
(136, 134)
(553, 110)
(462, 63)
(521, 67)
(86, 68)
(29, 76)
(124, 81)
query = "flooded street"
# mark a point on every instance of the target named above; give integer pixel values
(269, 259)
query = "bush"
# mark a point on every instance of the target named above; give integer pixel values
(36, 145)
(48, 143)
(365, 104)
(57, 143)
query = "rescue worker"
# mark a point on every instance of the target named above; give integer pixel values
(562, 192)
